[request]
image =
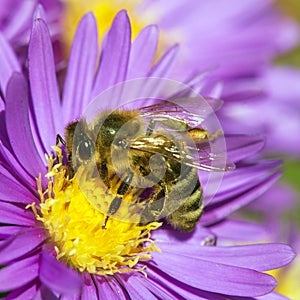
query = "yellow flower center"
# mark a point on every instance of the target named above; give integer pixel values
(104, 10)
(74, 220)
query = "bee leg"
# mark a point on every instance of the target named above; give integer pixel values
(59, 139)
(116, 203)
(113, 208)
(187, 215)
(151, 126)
(155, 206)
(202, 134)
(215, 135)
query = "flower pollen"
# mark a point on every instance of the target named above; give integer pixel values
(75, 226)
(104, 12)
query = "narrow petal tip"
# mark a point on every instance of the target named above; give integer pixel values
(89, 17)
(39, 13)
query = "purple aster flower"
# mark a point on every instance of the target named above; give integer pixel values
(52, 245)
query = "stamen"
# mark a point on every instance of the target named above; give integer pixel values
(73, 214)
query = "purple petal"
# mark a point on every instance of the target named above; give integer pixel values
(12, 191)
(109, 288)
(215, 277)
(89, 291)
(23, 242)
(69, 297)
(243, 178)
(115, 54)
(158, 288)
(44, 89)
(215, 214)
(243, 146)
(283, 84)
(45, 293)
(81, 68)
(160, 70)
(39, 13)
(3, 131)
(178, 290)
(281, 198)
(11, 214)
(239, 231)
(7, 231)
(2, 105)
(259, 257)
(243, 89)
(273, 296)
(164, 66)
(12, 166)
(143, 52)
(27, 291)
(19, 21)
(9, 63)
(18, 274)
(20, 136)
(135, 288)
(58, 276)
(199, 236)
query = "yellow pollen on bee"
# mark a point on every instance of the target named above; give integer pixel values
(75, 225)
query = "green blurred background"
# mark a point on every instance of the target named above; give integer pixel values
(292, 9)
(292, 165)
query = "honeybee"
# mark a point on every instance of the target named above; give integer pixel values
(142, 152)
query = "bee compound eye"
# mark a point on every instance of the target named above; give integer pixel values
(85, 150)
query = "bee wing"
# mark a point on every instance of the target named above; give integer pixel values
(212, 156)
(192, 111)
(198, 157)
(208, 160)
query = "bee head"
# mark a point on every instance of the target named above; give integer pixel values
(79, 145)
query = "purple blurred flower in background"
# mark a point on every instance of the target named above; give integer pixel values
(237, 43)
(238, 40)
(277, 210)
(191, 264)
(275, 114)
(16, 18)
